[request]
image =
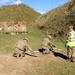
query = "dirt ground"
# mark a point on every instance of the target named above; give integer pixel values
(28, 65)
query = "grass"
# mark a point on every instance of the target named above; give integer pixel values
(7, 41)
(59, 68)
(23, 13)
(42, 65)
(56, 21)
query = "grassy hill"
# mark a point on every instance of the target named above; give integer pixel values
(57, 20)
(50, 64)
(16, 13)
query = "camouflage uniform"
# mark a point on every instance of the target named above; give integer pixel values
(45, 43)
(21, 46)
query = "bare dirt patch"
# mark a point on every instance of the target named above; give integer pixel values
(29, 65)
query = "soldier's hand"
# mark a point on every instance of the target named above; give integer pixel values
(35, 55)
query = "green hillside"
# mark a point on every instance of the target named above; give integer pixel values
(16, 13)
(57, 20)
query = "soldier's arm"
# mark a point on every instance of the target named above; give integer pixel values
(51, 45)
(29, 48)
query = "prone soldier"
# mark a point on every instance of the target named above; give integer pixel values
(20, 48)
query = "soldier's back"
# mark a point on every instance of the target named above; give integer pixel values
(20, 44)
(45, 41)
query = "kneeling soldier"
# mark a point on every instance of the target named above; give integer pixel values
(21, 46)
(45, 43)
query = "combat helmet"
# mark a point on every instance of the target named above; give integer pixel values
(25, 39)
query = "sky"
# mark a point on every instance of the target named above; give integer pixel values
(41, 6)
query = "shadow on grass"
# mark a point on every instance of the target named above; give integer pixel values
(57, 54)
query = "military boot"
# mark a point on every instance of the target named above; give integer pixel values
(46, 52)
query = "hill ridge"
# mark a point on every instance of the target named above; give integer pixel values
(19, 12)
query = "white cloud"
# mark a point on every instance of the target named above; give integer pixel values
(3, 1)
(41, 12)
(17, 2)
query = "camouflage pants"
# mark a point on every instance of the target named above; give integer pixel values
(70, 52)
(18, 52)
(45, 50)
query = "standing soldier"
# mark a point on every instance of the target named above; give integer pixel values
(45, 43)
(21, 46)
(70, 43)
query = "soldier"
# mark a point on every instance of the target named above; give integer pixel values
(21, 46)
(70, 43)
(45, 43)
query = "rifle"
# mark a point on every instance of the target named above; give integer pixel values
(51, 47)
